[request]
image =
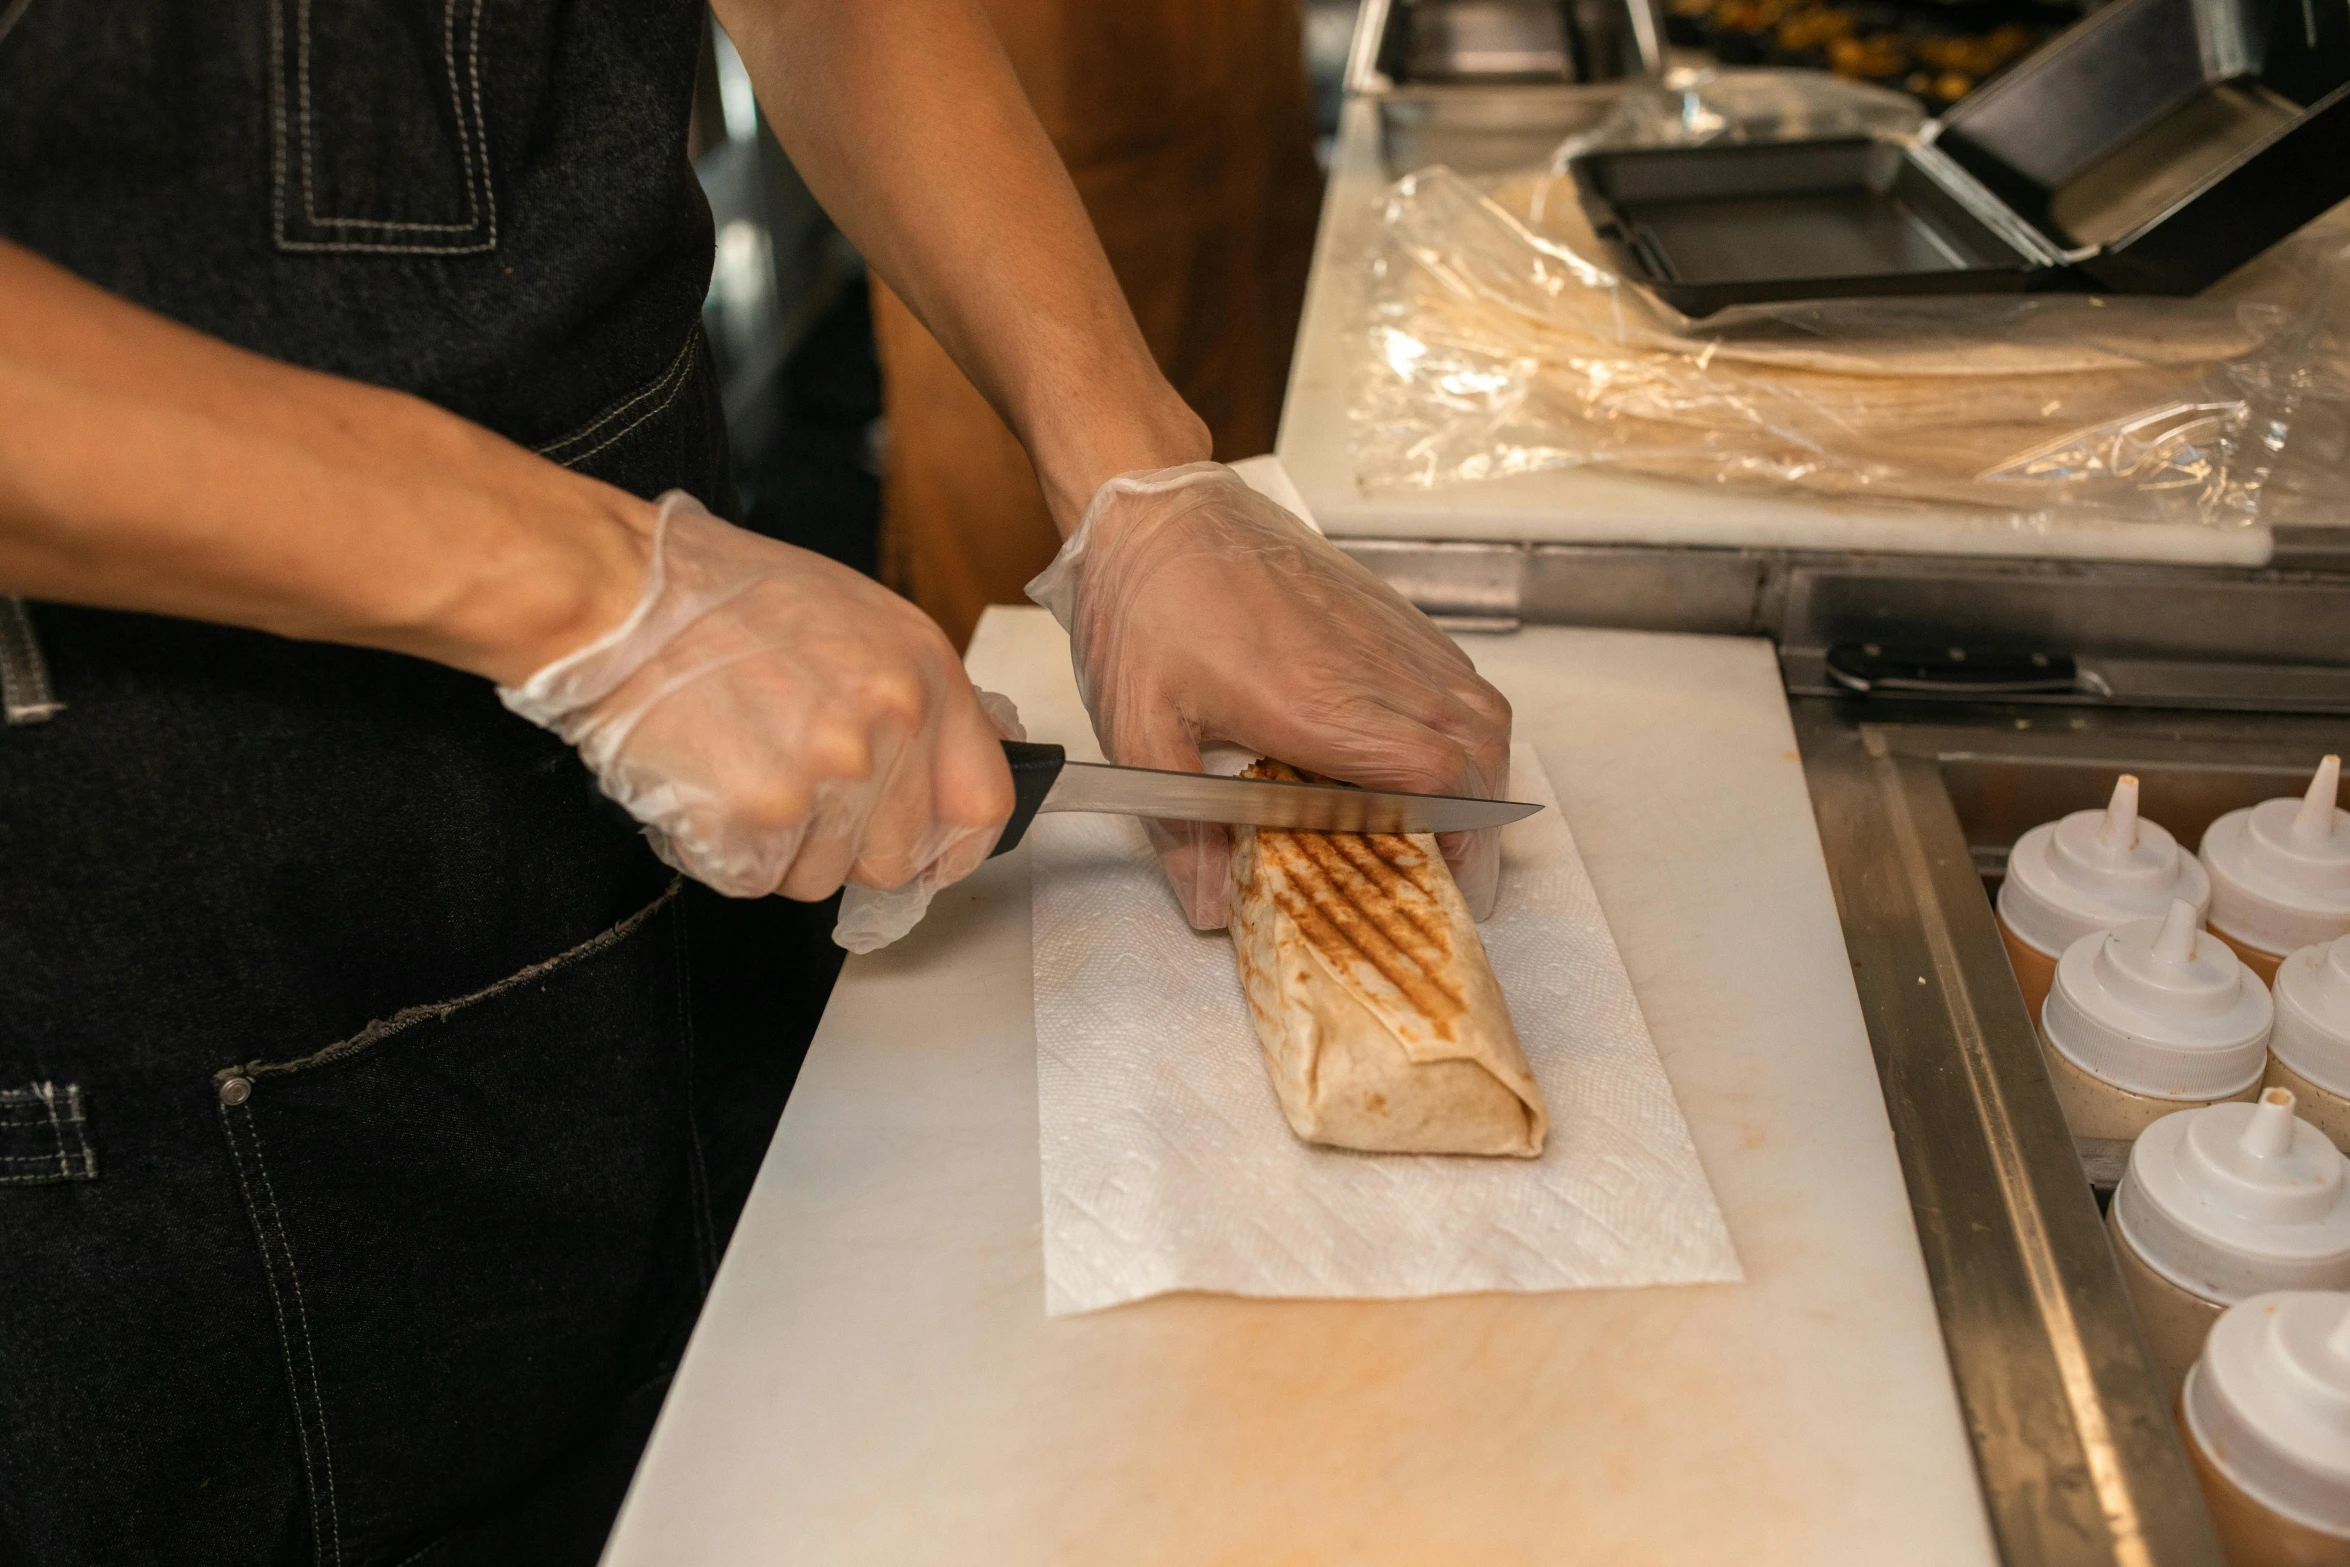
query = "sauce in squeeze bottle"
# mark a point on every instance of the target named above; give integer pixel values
(2089, 872)
(2150, 1018)
(2309, 1052)
(2266, 1414)
(2280, 873)
(2221, 1204)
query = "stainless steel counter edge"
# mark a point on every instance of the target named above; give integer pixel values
(2073, 1440)
(2290, 613)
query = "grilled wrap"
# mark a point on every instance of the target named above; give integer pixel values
(1381, 1022)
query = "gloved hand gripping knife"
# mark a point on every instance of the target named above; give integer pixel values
(779, 722)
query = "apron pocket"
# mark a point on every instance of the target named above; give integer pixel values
(377, 137)
(482, 1225)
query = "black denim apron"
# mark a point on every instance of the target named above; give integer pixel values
(372, 1103)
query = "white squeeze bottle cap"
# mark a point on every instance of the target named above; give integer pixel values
(2280, 870)
(2094, 870)
(2313, 1015)
(2232, 1200)
(2160, 1008)
(2269, 1404)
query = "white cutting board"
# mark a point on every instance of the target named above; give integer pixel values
(874, 1379)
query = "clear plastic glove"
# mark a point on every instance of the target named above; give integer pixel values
(778, 722)
(871, 918)
(1199, 611)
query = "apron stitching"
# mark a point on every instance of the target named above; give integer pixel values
(654, 412)
(481, 196)
(26, 696)
(481, 128)
(456, 105)
(325, 1528)
(277, 118)
(68, 1127)
(678, 371)
(411, 1559)
(317, 1395)
(56, 1132)
(433, 1012)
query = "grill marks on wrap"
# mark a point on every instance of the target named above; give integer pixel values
(1368, 898)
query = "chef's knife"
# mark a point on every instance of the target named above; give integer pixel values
(1873, 669)
(1047, 780)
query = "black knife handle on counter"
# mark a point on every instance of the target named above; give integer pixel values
(1034, 767)
(1871, 669)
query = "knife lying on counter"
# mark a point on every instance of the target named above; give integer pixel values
(1996, 674)
(1046, 780)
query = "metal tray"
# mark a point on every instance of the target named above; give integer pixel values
(2170, 140)
(1400, 44)
(1707, 227)
(2153, 149)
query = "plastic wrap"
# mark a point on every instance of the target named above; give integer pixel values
(1498, 342)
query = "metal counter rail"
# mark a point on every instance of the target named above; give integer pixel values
(2073, 1443)
(2243, 620)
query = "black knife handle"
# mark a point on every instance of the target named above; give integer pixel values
(1034, 767)
(1873, 669)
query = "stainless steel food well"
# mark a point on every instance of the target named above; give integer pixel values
(1917, 808)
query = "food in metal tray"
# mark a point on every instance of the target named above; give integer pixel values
(1382, 1025)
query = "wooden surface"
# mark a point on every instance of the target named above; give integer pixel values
(875, 1381)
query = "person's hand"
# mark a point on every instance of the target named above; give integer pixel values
(1198, 611)
(778, 722)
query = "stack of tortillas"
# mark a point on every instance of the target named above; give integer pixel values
(1500, 344)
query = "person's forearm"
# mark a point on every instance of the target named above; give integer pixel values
(908, 124)
(146, 466)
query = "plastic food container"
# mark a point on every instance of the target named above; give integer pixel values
(2089, 872)
(2280, 873)
(2221, 1204)
(2150, 1018)
(2267, 1418)
(2309, 1051)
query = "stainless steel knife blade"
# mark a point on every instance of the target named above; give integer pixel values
(1259, 802)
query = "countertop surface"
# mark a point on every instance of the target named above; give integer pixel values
(874, 1379)
(1591, 506)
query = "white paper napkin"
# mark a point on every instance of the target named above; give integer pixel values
(1168, 1166)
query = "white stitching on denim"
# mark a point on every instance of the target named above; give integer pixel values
(60, 1113)
(39, 1094)
(675, 377)
(481, 126)
(26, 697)
(481, 196)
(277, 120)
(650, 413)
(48, 1093)
(654, 412)
(433, 1012)
(421, 1552)
(285, 1344)
(317, 1392)
(456, 107)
